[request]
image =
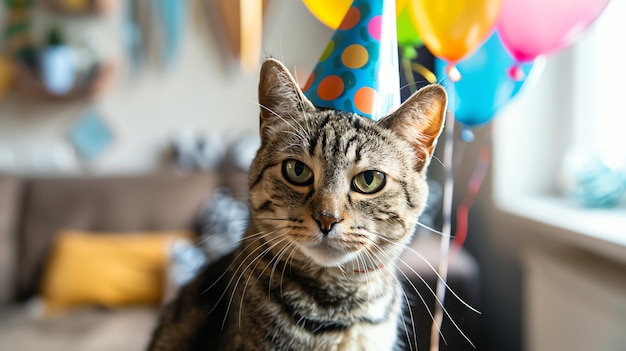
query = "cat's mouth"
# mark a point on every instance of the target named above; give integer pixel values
(328, 252)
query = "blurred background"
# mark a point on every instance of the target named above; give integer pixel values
(140, 118)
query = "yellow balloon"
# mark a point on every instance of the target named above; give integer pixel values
(400, 6)
(329, 12)
(332, 12)
(453, 29)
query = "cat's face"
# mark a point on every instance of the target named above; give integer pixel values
(335, 186)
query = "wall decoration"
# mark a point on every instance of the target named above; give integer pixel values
(79, 7)
(91, 135)
(17, 42)
(172, 15)
(58, 64)
(154, 31)
(53, 70)
(240, 24)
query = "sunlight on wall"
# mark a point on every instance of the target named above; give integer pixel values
(609, 54)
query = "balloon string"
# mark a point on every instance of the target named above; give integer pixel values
(408, 75)
(444, 247)
(473, 188)
(424, 72)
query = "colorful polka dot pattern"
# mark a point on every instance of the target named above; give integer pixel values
(358, 70)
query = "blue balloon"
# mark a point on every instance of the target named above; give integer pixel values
(485, 86)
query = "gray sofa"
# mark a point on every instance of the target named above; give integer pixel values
(31, 213)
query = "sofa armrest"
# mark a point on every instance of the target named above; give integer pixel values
(10, 195)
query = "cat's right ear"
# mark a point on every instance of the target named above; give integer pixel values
(280, 98)
(420, 121)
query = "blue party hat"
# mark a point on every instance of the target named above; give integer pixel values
(358, 71)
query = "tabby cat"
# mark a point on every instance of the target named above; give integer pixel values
(335, 198)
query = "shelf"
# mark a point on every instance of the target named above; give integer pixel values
(31, 85)
(79, 7)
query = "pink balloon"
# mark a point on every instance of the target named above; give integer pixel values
(529, 28)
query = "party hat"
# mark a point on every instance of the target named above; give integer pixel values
(358, 71)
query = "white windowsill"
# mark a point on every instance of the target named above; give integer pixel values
(602, 231)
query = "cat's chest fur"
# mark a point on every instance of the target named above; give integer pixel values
(278, 307)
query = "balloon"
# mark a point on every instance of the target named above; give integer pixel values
(332, 12)
(485, 87)
(329, 12)
(408, 37)
(453, 29)
(530, 28)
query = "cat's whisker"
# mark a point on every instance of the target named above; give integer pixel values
(431, 267)
(406, 298)
(408, 85)
(227, 285)
(299, 139)
(214, 228)
(423, 300)
(239, 254)
(271, 218)
(224, 239)
(228, 269)
(220, 239)
(274, 258)
(411, 317)
(302, 111)
(440, 303)
(239, 274)
(438, 161)
(291, 257)
(258, 259)
(361, 260)
(437, 299)
(441, 279)
(277, 259)
(432, 230)
(434, 294)
(342, 271)
(301, 130)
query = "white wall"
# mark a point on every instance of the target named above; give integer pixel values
(202, 92)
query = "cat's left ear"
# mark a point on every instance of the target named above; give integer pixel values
(280, 97)
(420, 121)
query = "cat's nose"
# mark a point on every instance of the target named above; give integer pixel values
(326, 221)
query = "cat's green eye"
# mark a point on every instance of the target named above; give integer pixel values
(368, 182)
(297, 173)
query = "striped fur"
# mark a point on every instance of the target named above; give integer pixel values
(316, 269)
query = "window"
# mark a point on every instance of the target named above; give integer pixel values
(571, 100)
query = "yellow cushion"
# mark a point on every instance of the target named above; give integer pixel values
(106, 269)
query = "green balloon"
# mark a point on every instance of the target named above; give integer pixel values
(407, 34)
